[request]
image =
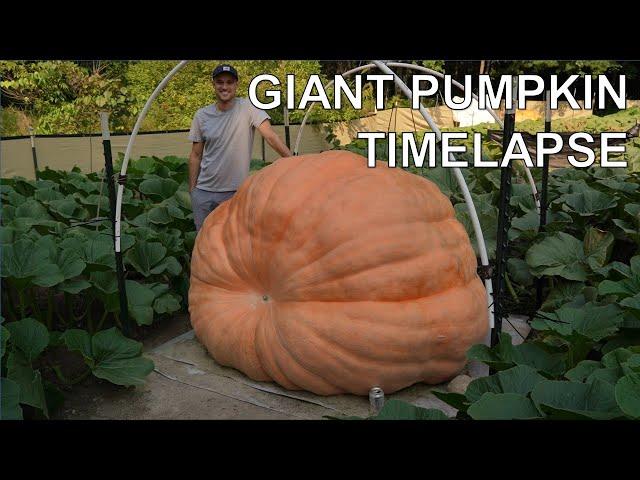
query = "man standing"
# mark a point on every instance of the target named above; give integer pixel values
(222, 136)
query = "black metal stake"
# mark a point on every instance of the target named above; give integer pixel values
(108, 166)
(504, 222)
(544, 192)
(34, 154)
(286, 127)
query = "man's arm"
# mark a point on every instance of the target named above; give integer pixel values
(195, 158)
(273, 139)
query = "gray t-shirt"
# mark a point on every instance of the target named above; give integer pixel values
(228, 143)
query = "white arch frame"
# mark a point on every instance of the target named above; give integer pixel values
(532, 183)
(383, 66)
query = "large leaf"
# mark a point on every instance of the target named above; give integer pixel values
(99, 254)
(33, 210)
(77, 340)
(159, 188)
(145, 255)
(4, 336)
(519, 271)
(520, 379)
(183, 198)
(563, 292)
(140, 301)
(46, 195)
(505, 355)
(398, 410)
(168, 264)
(10, 408)
(627, 392)
(21, 372)
(105, 282)
(117, 358)
(456, 400)
(167, 303)
(503, 406)
(583, 370)
(30, 336)
(561, 255)
(68, 208)
(74, 286)
(590, 321)
(598, 245)
(22, 260)
(589, 202)
(618, 186)
(571, 400)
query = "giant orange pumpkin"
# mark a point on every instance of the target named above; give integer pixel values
(325, 275)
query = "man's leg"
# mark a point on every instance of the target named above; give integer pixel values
(204, 202)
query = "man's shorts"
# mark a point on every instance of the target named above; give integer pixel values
(204, 202)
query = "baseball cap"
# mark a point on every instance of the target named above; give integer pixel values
(225, 68)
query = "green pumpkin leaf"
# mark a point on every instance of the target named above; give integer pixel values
(503, 406)
(117, 358)
(4, 336)
(168, 264)
(19, 370)
(145, 255)
(580, 372)
(627, 392)
(33, 210)
(589, 202)
(77, 340)
(74, 286)
(140, 301)
(561, 255)
(159, 188)
(520, 379)
(30, 336)
(399, 410)
(167, 303)
(10, 408)
(570, 400)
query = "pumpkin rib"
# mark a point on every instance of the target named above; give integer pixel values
(268, 359)
(404, 318)
(324, 386)
(348, 244)
(399, 264)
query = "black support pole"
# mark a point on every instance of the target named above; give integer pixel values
(504, 222)
(34, 154)
(108, 167)
(543, 193)
(286, 127)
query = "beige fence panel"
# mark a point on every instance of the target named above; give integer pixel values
(63, 153)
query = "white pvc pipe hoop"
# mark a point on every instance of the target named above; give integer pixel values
(532, 183)
(132, 139)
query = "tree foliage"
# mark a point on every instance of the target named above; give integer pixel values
(66, 96)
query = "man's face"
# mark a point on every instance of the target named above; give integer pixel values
(225, 86)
